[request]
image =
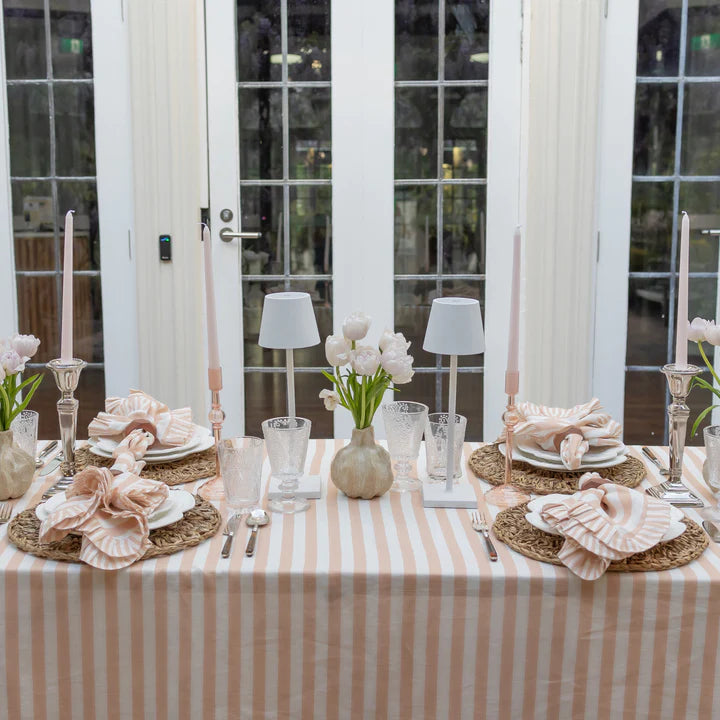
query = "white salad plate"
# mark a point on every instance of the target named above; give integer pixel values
(594, 454)
(558, 466)
(107, 445)
(178, 454)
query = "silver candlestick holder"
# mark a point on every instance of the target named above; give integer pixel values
(673, 490)
(67, 376)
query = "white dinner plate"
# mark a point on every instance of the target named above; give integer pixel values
(520, 456)
(204, 444)
(594, 454)
(178, 502)
(107, 445)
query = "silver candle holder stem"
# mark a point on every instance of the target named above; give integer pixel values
(67, 377)
(673, 491)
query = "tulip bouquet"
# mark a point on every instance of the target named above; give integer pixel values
(372, 370)
(700, 331)
(14, 353)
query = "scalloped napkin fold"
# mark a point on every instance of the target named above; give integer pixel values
(141, 411)
(569, 431)
(110, 508)
(604, 522)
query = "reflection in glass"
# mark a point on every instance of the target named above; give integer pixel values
(37, 298)
(463, 229)
(658, 38)
(24, 41)
(651, 227)
(655, 116)
(260, 116)
(413, 299)
(416, 132)
(309, 40)
(469, 400)
(645, 407)
(702, 302)
(415, 229)
(71, 31)
(416, 40)
(467, 33)
(310, 133)
(81, 197)
(311, 233)
(74, 129)
(32, 213)
(259, 48)
(262, 209)
(87, 318)
(648, 314)
(29, 130)
(465, 147)
(701, 200)
(703, 51)
(701, 129)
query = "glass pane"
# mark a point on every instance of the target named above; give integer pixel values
(645, 408)
(29, 130)
(467, 33)
(647, 321)
(71, 38)
(658, 37)
(464, 229)
(702, 202)
(701, 130)
(38, 315)
(266, 397)
(33, 226)
(82, 198)
(260, 112)
(469, 402)
(655, 116)
(310, 133)
(258, 40)
(311, 230)
(24, 40)
(416, 117)
(416, 40)
(415, 230)
(262, 209)
(465, 148)
(412, 310)
(87, 318)
(422, 388)
(703, 47)
(702, 302)
(74, 129)
(651, 227)
(309, 39)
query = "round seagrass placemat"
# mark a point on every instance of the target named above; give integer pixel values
(488, 463)
(194, 467)
(516, 532)
(197, 524)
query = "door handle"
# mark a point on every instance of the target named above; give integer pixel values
(226, 235)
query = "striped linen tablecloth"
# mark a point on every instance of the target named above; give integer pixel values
(357, 609)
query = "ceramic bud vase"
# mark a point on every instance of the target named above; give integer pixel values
(16, 468)
(362, 469)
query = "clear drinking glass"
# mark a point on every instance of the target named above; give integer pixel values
(241, 460)
(25, 431)
(287, 443)
(436, 432)
(711, 467)
(404, 425)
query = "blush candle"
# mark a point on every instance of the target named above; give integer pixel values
(211, 319)
(66, 337)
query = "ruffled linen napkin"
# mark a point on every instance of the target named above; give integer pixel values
(604, 522)
(570, 432)
(140, 411)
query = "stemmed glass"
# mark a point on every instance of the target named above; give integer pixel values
(404, 425)
(287, 439)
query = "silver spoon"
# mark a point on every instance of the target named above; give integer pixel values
(257, 518)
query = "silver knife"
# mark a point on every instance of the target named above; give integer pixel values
(650, 455)
(40, 460)
(53, 465)
(230, 531)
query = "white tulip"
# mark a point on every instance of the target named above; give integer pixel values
(337, 350)
(365, 360)
(330, 398)
(696, 329)
(390, 339)
(712, 333)
(398, 364)
(24, 345)
(11, 362)
(2, 373)
(356, 326)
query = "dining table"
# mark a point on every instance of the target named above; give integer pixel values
(359, 609)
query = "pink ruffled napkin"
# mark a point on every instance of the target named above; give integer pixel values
(570, 432)
(140, 411)
(604, 522)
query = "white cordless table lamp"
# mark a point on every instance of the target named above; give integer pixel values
(288, 322)
(454, 328)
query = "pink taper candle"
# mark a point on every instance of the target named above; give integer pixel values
(66, 338)
(213, 354)
(681, 341)
(512, 373)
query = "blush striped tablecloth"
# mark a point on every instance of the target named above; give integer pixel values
(357, 609)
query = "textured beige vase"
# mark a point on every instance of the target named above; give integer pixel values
(362, 469)
(16, 468)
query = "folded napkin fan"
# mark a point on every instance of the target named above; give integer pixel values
(570, 432)
(604, 522)
(140, 411)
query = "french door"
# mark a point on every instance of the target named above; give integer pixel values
(374, 149)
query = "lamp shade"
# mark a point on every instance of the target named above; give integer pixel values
(455, 327)
(288, 321)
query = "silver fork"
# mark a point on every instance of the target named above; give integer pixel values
(5, 513)
(480, 525)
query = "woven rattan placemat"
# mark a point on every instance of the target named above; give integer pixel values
(198, 524)
(488, 463)
(194, 467)
(516, 532)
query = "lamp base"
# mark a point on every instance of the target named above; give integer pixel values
(679, 496)
(309, 488)
(460, 496)
(505, 496)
